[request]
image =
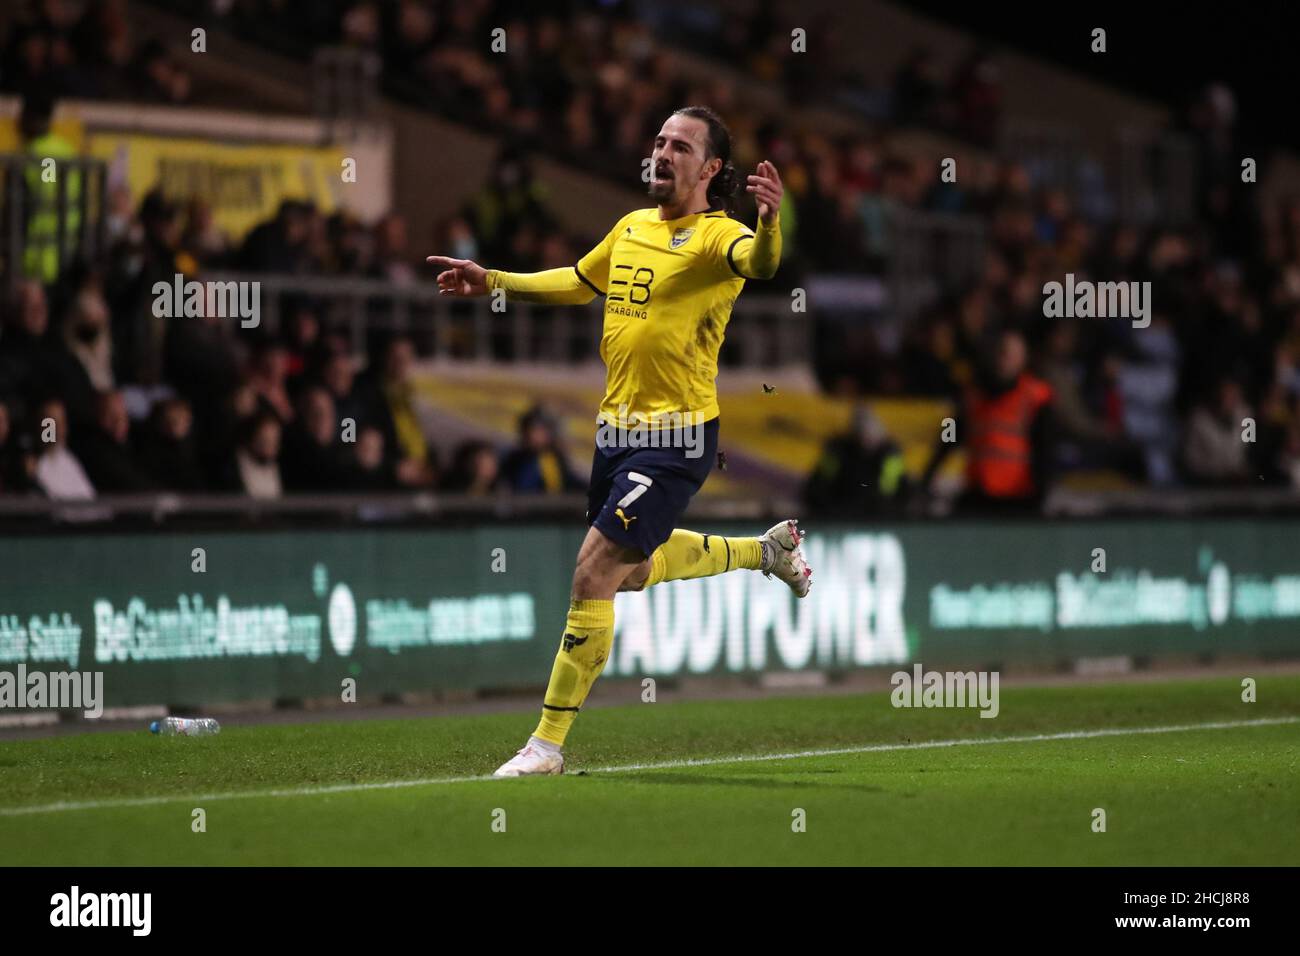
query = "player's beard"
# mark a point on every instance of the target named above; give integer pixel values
(663, 192)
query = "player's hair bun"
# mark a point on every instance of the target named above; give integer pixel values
(722, 189)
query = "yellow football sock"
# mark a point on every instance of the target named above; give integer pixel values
(689, 554)
(588, 636)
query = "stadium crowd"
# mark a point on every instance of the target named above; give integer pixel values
(61, 49)
(283, 414)
(1154, 403)
(184, 406)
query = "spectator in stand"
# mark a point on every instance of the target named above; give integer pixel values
(349, 246)
(371, 471)
(928, 358)
(1216, 451)
(36, 64)
(147, 255)
(26, 320)
(88, 337)
(106, 450)
(161, 75)
(474, 470)
(1085, 438)
(167, 448)
(33, 364)
(1147, 385)
(1005, 426)
(859, 473)
(202, 239)
(269, 374)
(102, 42)
(314, 456)
(456, 234)
(53, 468)
(537, 464)
(393, 259)
(301, 340)
(335, 369)
(219, 441)
(49, 236)
(203, 359)
(510, 200)
(391, 405)
(318, 256)
(280, 244)
(255, 467)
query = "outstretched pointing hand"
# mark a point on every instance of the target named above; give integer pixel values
(460, 277)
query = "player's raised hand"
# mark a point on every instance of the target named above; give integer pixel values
(460, 277)
(765, 185)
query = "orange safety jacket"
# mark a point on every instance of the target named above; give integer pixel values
(999, 455)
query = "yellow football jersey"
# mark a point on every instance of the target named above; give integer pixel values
(668, 289)
(669, 286)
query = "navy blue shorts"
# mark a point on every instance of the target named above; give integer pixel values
(637, 495)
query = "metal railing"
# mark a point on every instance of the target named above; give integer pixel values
(1157, 176)
(1170, 502)
(51, 215)
(1050, 150)
(931, 254)
(763, 331)
(1150, 171)
(162, 509)
(345, 83)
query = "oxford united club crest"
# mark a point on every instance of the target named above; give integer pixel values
(680, 238)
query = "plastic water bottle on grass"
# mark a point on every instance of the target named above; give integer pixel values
(185, 727)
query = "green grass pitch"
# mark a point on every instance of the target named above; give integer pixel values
(664, 784)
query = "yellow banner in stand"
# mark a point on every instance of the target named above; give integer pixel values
(70, 128)
(244, 184)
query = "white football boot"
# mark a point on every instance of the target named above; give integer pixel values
(531, 760)
(789, 565)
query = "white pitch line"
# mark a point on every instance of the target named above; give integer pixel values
(663, 765)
